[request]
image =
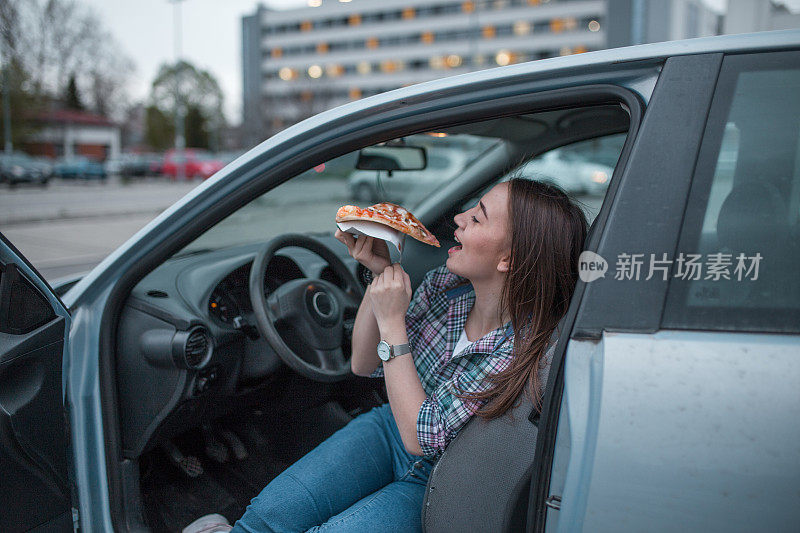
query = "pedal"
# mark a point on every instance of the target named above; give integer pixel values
(191, 466)
(214, 448)
(235, 443)
(188, 464)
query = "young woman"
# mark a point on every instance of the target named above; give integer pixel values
(470, 341)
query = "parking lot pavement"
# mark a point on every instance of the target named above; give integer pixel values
(70, 227)
(84, 199)
(59, 248)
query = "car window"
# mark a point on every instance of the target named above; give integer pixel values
(308, 202)
(736, 264)
(583, 169)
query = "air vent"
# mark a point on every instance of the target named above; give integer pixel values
(196, 348)
(154, 293)
(192, 349)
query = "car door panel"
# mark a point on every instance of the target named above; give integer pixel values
(34, 475)
(672, 450)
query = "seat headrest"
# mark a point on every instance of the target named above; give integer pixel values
(753, 215)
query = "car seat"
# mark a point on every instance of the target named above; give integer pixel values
(485, 469)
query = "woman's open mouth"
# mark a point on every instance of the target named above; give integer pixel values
(454, 249)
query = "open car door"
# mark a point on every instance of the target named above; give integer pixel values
(34, 324)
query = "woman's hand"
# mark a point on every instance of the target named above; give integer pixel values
(390, 293)
(369, 251)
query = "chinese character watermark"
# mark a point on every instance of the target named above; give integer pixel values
(693, 267)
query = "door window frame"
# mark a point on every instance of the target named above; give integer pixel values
(677, 315)
(289, 164)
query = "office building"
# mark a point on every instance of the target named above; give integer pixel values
(299, 62)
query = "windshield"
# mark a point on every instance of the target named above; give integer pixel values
(308, 202)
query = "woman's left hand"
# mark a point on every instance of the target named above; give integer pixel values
(391, 293)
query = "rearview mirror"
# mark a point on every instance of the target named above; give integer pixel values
(391, 158)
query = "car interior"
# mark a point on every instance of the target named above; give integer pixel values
(223, 377)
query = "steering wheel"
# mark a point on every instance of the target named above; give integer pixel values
(315, 309)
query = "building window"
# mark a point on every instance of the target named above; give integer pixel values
(488, 32)
(372, 43)
(557, 25)
(427, 37)
(522, 27)
(334, 71)
(593, 25)
(453, 61)
(355, 93)
(354, 20)
(409, 13)
(287, 74)
(276, 52)
(504, 31)
(315, 71)
(504, 57)
(322, 48)
(390, 65)
(306, 25)
(468, 7)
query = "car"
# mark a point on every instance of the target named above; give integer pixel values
(139, 165)
(79, 167)
(573, 173)
(19, 167)
(185, 371)
(197, 164)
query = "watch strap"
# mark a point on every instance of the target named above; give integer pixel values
(399, 349)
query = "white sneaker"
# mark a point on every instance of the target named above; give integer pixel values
(210, 523)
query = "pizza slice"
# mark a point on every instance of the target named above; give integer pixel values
(391, 215)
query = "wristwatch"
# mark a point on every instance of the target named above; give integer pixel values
(388, 351)
(367, 276)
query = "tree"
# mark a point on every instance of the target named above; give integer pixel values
(199, 94)
(23, 102)
(53, 40)
(196, 128)
(159, 128)
(72, 99)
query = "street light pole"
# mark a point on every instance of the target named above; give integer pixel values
(9, 147)
(180, 137)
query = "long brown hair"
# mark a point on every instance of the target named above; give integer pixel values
(548, 231)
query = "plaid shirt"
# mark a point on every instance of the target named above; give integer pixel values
(436, 315)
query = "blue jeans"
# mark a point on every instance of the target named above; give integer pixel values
(361, 479)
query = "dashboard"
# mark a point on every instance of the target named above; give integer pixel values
(187, 337)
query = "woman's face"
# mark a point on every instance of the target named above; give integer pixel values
(484, 238)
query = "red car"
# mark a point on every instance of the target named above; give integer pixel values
(198, 164)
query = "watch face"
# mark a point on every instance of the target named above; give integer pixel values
(383, 351)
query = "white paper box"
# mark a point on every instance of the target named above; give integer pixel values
(394, 239)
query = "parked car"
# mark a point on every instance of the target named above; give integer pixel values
(572, 172)
(197, 164)
(139, 165)
(672, 399)
(18, 167)
(79, 167)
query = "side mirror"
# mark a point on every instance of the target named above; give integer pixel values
(391, 158)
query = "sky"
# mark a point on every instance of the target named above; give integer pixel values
(212, 38)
